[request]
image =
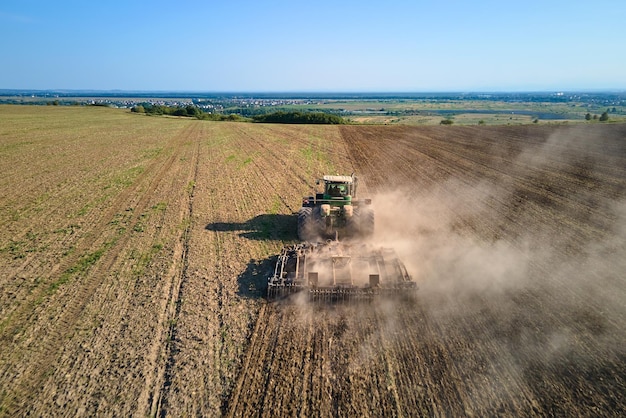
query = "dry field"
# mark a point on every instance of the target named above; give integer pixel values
(134, 251)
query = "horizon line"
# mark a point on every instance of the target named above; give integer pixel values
(316, 92)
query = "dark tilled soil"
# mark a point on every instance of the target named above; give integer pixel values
(516, 236)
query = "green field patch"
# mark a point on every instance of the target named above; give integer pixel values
(277, 204)
(159, 207)
(69, 251)
(239, 160)
(185, 223)
(126, 178)
(84, 210)
(18, 249)
(140, 224)
(143, 259)
(14, 214)
(81, 267)
(68, 230)
(39, 202)
(313, 156)
(84, 262)
(152, 153)
(190, 186)
(119, 217)
(307, 153)
(13, 145)
(15, 249)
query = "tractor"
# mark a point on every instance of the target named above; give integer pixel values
(335, 211)
(326, 269)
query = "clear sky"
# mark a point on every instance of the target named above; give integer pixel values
(315, 45)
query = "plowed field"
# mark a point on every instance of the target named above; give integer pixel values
(134, 252)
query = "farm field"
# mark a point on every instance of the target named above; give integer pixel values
(134, 252)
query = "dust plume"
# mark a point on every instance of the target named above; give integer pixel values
(426, 232)
(518, 253)
(529, 263)
(525, 230)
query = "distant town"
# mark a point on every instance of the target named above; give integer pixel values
(411, 108)
(127, 99)
(130, 99)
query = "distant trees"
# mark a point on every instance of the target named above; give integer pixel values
(150, 109)
(603, 117)
(189, 110)
(220, 117)
(276, 117)
(299, 117)
(446, 122)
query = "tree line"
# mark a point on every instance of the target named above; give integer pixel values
(299, 117)
(603, 118)
(152, 109)
(275, 117)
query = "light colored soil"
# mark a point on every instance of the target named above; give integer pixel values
(134, 253)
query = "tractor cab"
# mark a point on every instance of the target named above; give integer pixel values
(338, 187)
(335, 209)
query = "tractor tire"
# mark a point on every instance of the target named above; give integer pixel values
(366, 222)
(305, 224)
(353, 225)
(318, 225)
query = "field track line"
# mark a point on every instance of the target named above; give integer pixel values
(269, 179)
(23, 314)
(256, 370)
(42, 359)
(161, 351)
(234, 399)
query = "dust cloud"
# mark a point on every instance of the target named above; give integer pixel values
(456, 236)
(424, 229)
(521, 285)
(478, 246)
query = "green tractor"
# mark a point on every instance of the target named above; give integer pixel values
(335, 211)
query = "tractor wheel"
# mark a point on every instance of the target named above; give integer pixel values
(305, 224)
(367, 222)
(353, 224)
(318, 224)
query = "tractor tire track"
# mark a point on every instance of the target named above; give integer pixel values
(44, 353)
(125, 200)
(164, 348)
(189, 335)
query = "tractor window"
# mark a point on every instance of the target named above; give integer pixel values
(336, 190)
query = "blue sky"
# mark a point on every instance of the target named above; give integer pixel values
(317, 46)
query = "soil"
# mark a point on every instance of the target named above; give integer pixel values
(135, 251)
(516, 237)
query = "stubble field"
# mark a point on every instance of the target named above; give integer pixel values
(134, 252)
